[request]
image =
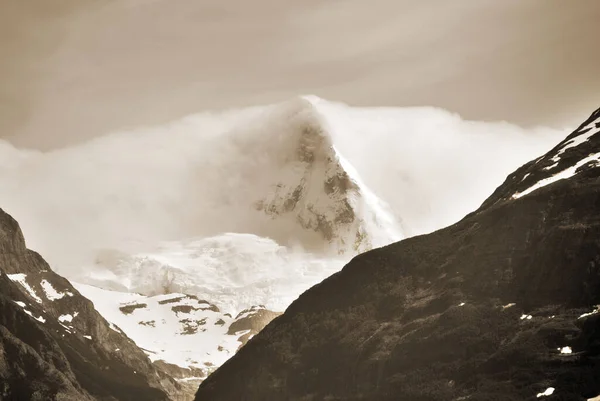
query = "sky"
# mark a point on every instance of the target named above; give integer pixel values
(71, 70)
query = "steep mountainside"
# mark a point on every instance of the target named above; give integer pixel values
(500, 306)
(53, 343)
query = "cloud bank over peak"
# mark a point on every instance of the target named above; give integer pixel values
(306, 172)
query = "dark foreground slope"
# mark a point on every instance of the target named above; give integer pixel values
(53, 343)
(482, 310)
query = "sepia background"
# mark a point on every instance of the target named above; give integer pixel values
(75, 69)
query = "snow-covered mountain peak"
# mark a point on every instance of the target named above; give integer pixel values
(315, 186)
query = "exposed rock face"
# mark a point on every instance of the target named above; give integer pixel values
(53, 343)
(500, 306)
(251, 322)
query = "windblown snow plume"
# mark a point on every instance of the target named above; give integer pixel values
(306, 173)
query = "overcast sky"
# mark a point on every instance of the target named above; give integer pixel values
(74, 69)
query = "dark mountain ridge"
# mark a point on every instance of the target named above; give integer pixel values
(500, 306)
(53, 343)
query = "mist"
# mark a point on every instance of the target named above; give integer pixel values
(197, 177)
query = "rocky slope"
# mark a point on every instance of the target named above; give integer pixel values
(53, 343)
(500, 306)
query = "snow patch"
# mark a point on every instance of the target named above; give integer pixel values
(590, 313)
(22, 305)
(565, 350)
(51, 292)
(550, 167)
(593, 127)
(566, 173)
(526, 317)
(65, 318)
(39, 319)
(22, 280)
(188, 379)
(547, 392)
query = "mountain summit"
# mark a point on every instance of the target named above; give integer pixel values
(499, 306)
(313, 186)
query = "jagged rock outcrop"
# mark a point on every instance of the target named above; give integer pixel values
(53, 343)
(500, 306)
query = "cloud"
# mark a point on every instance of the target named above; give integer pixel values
(193, 177)
(430, 165)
